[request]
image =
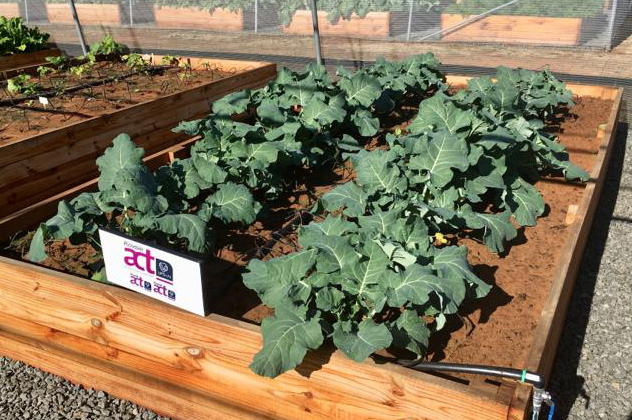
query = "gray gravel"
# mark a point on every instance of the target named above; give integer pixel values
(592, 378)
(29, 393)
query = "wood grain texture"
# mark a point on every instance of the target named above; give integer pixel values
(37, 167)
(514, 29)
(193, 18)
(16, 61)
(373, 24)
(89, 14)
(150, 338)
(9, 10)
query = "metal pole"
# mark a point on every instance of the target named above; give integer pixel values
(410, 20)
(82, 39)
(319, 58)
(256, 15)
(131, 13)
(26, 10)
(613, 16)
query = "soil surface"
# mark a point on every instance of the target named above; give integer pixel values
(498, 329)
(101, 95)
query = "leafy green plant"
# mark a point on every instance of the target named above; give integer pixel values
(81, 70)
(369, 274)
(44, 71)
(107, 46)
(59, 62)
(563, 8)
(21, 84)
(16, 37)
(172, 206)
(135, 62)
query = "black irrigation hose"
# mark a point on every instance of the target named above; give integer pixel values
(524, 376)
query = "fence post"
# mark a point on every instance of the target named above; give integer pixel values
(316, 33)
(410, 20)
(256, 15)
(82, 39)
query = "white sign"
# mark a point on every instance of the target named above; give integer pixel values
(153, 271)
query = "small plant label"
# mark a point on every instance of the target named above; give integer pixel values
(165, 275)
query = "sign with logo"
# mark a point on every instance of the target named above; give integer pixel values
(154, 271)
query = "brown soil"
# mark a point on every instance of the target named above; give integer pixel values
(498, 329)
(31, 117)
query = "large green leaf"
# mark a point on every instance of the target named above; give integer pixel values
(451, 263)
(497, 228)
(525, 202)
(361, 89)
(233, 203)
(440, 156)
(185, 226)
(415, 284)
(337, 252)
(367, 339)
(438, 113)
(123, 154)
(316, 113)
(375, 173)
(347, 195)
(365, 276)
(273, 279)
(411, 333)
(286, 338)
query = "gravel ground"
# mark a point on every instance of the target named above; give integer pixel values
(592, 378)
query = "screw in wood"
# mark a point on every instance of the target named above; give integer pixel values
(96, 323)
(194, 351)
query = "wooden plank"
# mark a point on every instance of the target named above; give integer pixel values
(373, 24)
(194, 18)
(89, 14)
(98, 369)
(17, 61)
(9, 10)
(514, 29)
(34, 168)
(158, 339)
(543, 348)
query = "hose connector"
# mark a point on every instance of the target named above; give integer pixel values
(541, 396)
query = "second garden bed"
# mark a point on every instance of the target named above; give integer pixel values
(147, 108)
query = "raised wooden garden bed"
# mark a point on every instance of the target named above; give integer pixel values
(515, 29)
(373, 24)
(190, 367)
(17, 61)
(193, 18)
(76, 146)
(9, 10)
(89, 14)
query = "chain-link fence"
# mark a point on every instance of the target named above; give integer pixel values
(599, 23)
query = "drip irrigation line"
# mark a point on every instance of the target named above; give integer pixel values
(522, 375)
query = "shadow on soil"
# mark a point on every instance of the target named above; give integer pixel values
(565, 385)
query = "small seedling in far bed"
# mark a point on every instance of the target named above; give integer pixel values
(21, 84)
(135, 62)
(59, 63)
